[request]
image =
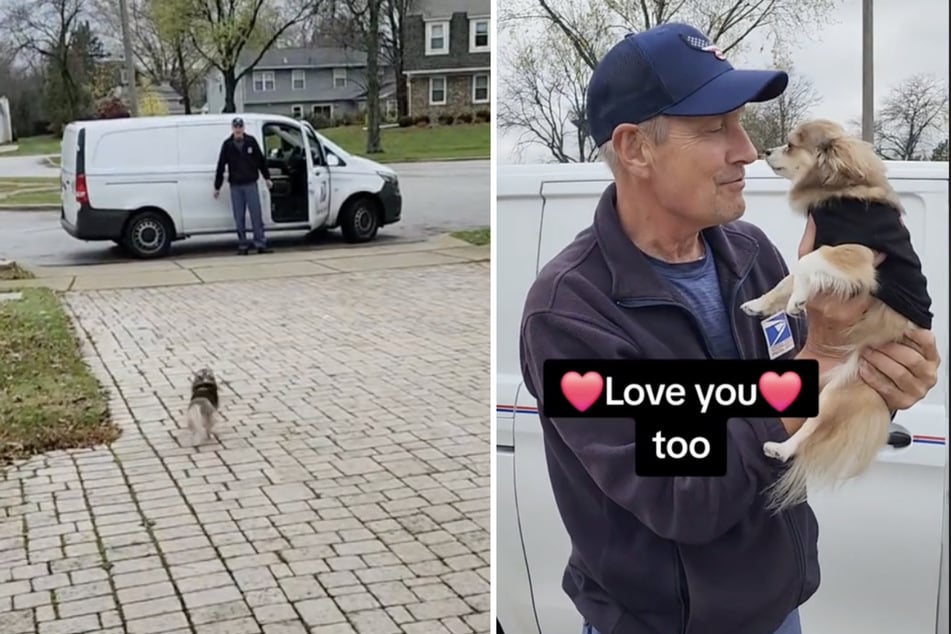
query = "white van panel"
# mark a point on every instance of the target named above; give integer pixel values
(198, 149)
(133, 150)
(881, 536)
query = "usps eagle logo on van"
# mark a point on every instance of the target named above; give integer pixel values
(702, 44)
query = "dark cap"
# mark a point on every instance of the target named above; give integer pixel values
(236, 122)
(671, 69)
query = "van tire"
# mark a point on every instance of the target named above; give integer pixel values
(148, 235)
(360, 219)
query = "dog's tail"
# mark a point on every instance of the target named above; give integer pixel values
(851, 430)
(201, 417)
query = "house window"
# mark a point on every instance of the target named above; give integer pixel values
(478, 35)
(437, 38)
(263, 81)
(340, 77)
(480, 88)
(297, 111)
(437, 91)
(298, 79)
(323, 110)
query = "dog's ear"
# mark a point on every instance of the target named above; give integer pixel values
(843, 161)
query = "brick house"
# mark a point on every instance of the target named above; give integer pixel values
(446, 57)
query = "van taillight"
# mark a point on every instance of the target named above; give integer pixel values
(82, 196)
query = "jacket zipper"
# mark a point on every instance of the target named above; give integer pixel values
(682, 590)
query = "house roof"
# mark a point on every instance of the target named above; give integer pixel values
(445, 8)
(325, 57)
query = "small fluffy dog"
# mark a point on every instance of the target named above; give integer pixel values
(202, 410)
(840, 182)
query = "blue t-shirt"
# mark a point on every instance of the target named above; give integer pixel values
(699, 285)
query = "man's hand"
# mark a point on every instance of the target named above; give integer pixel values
(903, 373)
(217, 191)
(269, 184)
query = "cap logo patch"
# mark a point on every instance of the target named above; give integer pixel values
(702, 44)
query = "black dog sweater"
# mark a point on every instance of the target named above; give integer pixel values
(877, 225)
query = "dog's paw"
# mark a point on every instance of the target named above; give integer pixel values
(754, 307)
(776, 451)
(795, 306)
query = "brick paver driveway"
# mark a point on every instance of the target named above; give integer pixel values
(349, 492)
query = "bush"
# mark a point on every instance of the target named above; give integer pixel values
(483, 116)
(446, 119)
(405, 121)
(422, 120)
(465, 117)
(111, 108)
(319, 121)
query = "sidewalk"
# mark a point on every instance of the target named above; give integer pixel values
(347, 492)
(442, 249)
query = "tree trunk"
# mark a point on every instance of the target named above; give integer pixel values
(183, 78)
(402, 94)
(231, 83)
(373, 78)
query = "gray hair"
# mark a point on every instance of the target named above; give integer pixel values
(656, 129)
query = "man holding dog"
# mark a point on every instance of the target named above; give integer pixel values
(244, 158)
(660, 274)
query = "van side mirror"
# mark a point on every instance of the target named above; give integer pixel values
(332, 159)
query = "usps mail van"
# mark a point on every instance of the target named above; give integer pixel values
(883, 538)
(145, 182)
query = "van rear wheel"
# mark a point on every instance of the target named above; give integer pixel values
(148, 235)
(360, 219)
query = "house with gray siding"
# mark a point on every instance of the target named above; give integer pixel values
(447, 60)
(328, 82)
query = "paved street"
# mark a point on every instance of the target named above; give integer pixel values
(19, 166)
(437, 197)
(349, 492)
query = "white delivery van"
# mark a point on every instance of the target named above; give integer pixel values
(883, 538)
(145, 182)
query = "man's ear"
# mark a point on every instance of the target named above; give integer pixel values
(632, 149)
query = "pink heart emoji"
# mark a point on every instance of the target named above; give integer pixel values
(780, 391)
(582, 391)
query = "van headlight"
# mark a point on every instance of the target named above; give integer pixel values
(391, 179)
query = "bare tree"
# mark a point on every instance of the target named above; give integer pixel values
(161, 44)
(913, 119)
(542, 96)
(346, 25)
(52, 34)
(223, 32)
(589, 27)
(769, 124)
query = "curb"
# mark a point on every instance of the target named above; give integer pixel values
(433, 160)
(29, 207)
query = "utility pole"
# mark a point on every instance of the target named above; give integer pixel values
(868, 92)
(129, 59)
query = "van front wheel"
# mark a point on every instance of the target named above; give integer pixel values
(360, 219)
(148, 235)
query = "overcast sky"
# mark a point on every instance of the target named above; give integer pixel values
(911, 36)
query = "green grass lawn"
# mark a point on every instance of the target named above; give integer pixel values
(478, 237)
(461, 140)
(10, 185)
(49, 399)
(468, 140)
(35, 145)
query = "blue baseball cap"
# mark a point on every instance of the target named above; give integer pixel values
(671, 69)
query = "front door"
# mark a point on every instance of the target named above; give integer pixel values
(318, 180)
